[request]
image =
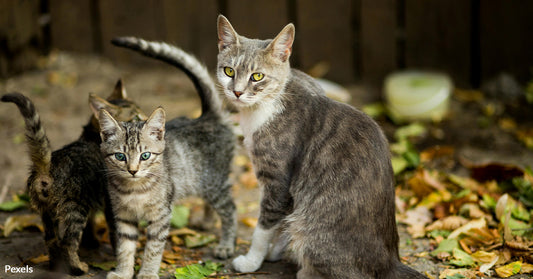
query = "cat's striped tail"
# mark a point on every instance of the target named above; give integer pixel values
(38, 143)
(175, 56)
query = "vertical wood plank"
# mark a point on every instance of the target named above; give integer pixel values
(261, 21)
(506, 38)
(378, 39)
(324, 33)
(130, 18)
(71, 25)
(438, 37)
(191, 25)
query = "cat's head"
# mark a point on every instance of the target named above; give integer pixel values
(117, 104)
(252, 71)
(132, 149)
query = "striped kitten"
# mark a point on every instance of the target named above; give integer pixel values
(328, 186)
(151, 164)
(66, 186)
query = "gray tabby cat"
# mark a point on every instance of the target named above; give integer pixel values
(328, 189)
(151, 164)
(66, 186)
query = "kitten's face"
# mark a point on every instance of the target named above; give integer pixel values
(133, 150)
(252, 71)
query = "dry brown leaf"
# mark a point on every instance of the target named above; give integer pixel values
(467, 273)
(449, 223)
(249, 221)
(182, 231)
(40, 259)
(19, 222)
(248, 180)
(475, 224)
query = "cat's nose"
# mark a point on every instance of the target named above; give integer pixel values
(133, 172)
(237, 93)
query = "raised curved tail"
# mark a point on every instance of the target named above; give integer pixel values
(175, 56)
(38, 143)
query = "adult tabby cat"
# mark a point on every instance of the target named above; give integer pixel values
(150, 164)
(328, 191)
(66, 186)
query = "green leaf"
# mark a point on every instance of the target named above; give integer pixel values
(374, 110)
(106, 266)
(412, 158)
(489, 201)
(447, 245)
(455, 276)
(13, 205)
(198, 240)
(197, 271)
(411, 130)
(180, 216)
(461, 258)
(399, 164)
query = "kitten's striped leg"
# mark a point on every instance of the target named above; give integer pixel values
(156, 234)
(223, 204)
(70, 228)
(126, 235)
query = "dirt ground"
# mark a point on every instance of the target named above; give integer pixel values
(60, 92)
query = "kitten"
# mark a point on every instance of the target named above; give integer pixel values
(328, 189)
(66, 186)
(151, 164)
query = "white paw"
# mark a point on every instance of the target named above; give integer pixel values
(147, 276)
(274, 255)
(224, 252)
(114, 275)
(246, 264)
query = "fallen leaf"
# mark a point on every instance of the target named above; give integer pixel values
(509, 269)
(180, 216)
(20, 222)
(193, 241)
(197, 271)
(12, 205)
(248, 180)
(449, 223)
(449, 273)
(250, 222)
(106, 266)
(182, 231)
(461, 258)
(446, 245)
(478, 223)
(40, 259)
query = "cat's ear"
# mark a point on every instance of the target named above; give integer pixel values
(119, 92)
(226, 34)
(96, 104)
(109, 127)
(281, 46)
(155, 125)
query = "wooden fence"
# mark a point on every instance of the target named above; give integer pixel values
(360, 40)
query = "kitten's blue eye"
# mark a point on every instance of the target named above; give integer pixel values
(120, 156)
(145, 156)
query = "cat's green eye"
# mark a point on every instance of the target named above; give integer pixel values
(145, 156)
(257, 76)
(229, 71)
(120, 156)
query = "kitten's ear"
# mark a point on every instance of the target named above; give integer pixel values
(96, 104)
(109, 127)
(226, 34)
(155, 125)
(119, 92)
(281, 46)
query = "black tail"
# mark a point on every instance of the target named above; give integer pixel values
(38, 143)
(184, 61)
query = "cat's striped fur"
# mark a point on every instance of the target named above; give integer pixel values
(67, 185)
(187, 157)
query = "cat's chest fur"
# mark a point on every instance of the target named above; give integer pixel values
(251, 120)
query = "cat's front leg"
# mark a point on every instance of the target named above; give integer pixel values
(256, 255)
(126, 235)
(156, 234)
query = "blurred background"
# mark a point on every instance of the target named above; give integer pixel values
(351, 41)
